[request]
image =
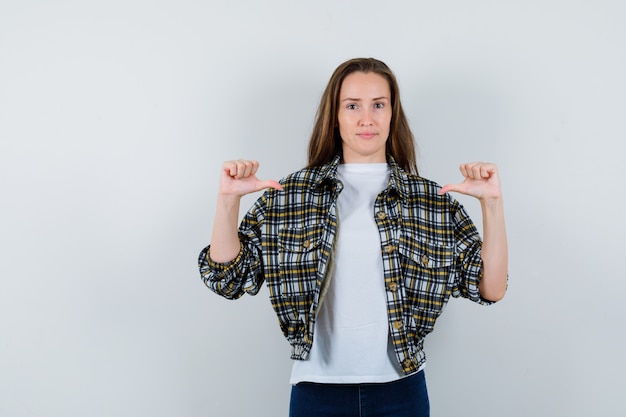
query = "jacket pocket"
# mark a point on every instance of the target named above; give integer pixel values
(299, 258)
(426, 268)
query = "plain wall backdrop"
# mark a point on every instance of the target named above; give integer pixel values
(115, 117)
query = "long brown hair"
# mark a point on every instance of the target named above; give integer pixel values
(325, 140)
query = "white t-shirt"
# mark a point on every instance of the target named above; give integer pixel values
(351, 341)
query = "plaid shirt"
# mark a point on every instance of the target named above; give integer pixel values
(429, 246)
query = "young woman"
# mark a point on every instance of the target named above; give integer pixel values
(360, 253)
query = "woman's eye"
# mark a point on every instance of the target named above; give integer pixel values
(352, 106)
(379, 105)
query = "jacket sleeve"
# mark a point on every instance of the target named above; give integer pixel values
(469, 264)
(244, 274)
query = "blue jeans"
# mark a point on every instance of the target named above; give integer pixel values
(406, 397)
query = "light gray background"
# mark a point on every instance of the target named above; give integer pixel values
(116, 115)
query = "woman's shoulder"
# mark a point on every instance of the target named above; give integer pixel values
(308, 176)
(417, 185)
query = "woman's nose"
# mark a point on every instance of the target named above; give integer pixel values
(366, 119)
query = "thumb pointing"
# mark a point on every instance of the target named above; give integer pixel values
(447, 188)
(270, 184)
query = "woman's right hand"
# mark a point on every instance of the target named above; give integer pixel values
(239, 178)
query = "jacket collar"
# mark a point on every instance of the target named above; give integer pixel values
(398, 179)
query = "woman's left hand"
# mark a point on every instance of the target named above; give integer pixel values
(482, 181)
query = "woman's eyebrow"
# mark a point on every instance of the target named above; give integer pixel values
(360, 99)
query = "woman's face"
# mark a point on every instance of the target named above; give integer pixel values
(364, 117)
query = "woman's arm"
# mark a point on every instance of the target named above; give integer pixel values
(237, 179)
(483, 182)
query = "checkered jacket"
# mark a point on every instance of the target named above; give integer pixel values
(429, 247)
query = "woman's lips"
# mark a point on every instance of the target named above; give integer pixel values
(366, 135)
